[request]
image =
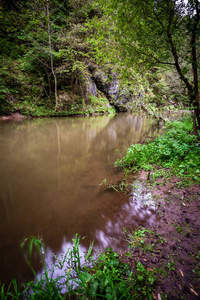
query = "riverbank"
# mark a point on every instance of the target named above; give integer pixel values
(170, 249)
(100, 106)
(19, 117)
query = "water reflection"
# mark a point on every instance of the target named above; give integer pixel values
(138, 211)
(50, 170)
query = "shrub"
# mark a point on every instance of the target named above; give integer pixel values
(177, 148)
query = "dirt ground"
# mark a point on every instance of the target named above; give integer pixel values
(173, 251)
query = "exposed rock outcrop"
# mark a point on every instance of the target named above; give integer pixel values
(107, 83)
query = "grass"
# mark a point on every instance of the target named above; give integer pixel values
(177, 150)
(121, 186)
(105, 277)
(140, 239)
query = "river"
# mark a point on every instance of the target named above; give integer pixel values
(50, 175)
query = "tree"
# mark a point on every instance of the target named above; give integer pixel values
(162, 32)
(41, 34)
(51, 56)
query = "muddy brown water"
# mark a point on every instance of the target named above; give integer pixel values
(50, 171)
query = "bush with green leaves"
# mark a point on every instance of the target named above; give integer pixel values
(177, 148)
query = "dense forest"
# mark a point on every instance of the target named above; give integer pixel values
(88, 57)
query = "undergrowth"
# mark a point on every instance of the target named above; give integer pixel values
(104, 276)
(177, 149)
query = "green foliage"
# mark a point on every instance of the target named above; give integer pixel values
(144, 282)
(137, 238)
(171, 266)
(104, 277)
(156, 85)
(26, 74)
(143, 28)
(177, 148)
(109, 186)
(118, 187)
(160, 173)
(33, 243)
(159, 34)
(81, 34)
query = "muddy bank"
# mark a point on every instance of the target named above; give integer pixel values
(171, 248)
(14, 117)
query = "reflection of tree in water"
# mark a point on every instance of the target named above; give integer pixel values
(138, 211)
(54, 168)
(121, 132)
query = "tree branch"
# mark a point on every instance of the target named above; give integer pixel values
(176, 62)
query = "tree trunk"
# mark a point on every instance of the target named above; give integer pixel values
(195, 64)
(51, 56)
(192, 89)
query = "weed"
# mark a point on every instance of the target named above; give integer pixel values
(144, 281)
(105, 277)
(128, 254)
(160, 173)
(109, 186)
(179, 229)
(137, 238)
(171, 266)
(123, 185)
(118, 187)
(32, 243)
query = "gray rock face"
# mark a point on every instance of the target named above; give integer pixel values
(91, 87)
(108, 84)
(102, 81)
(113, 89)
(124, 97)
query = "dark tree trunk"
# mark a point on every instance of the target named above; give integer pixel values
(192, 89)
(195, 97)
